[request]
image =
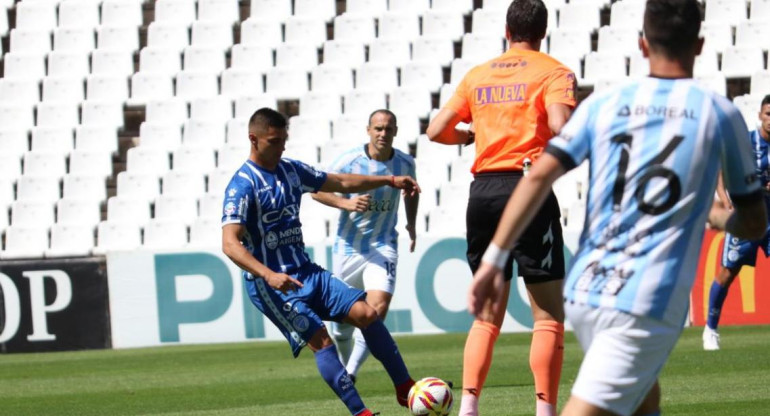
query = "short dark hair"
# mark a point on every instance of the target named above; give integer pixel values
(765, 101)
(527, 20)
(672, 27)
(264, 118)
(382, 111)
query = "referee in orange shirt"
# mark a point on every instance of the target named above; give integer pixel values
(516, 103)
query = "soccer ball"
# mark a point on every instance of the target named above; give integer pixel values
(430, 396)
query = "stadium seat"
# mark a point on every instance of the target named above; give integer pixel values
(10, 166)
(70, 241)
(85, 162)
(414, 7)
(354, 28)
(102, 113)
(408, 129)
(68, 64)
(36, 15)
(180, 183)
(488, 22)
(748, 105)
(570, 42)
(206, 232)
(442, 221)
(255, 58)
(623, 40)
(741, 62)
(306, 30)
(117, 236)
(225, 11)
(24, 242)
(159, 135)
(604, 65)
(23, 65)
(436, 50)
(175, 12)
(410, 100)
(30, 41)
(760, 83)
(230, 158)
(237, 132)
(376, 77)
(191, 85)
(84, 188)
(725, 11)
(159, 60)
(206, 134)
(117, 38)
(63, 89)
(286, 83)
(110, 88)
(218, 179)
(16, 116)
(579, 15)
(96, 138)
(320, 104)
(7, 198)
(57, 114)
(462, 6)
(445, 93)
(112, 63)
(14, 142)
(717, 36)
(460, 171)
(627, 14)
(44, 163)
(390, 52)
(53, 140)
(147, 159)
(38, 188)
(173, 36)
(760, 10)
(343, 54)
(752, 33)
(212, 33)
(398, 25)
(78, 212)
(147, 87)
(78, 13)
(458, 69)
(194, 159)
(262, 32)
(714, 81)
(128, 210)
(331, 150)
(363, 102)
(74, 39)
(638, 65)
(145, 186)
(218, 109)
(19, 91)
(350, 127)
(443, 24)
(296, 56)
(325, 9)
(160, 234)
(176, 208)
(326, 78)
(706, 63)
(121, 13)
(309, 129)
(203, 59)
(169, 111)
(32, 214)
(245, 106)
(278, 10)
(371, 8)
(481, 48)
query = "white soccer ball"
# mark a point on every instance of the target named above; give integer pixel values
(430, 396)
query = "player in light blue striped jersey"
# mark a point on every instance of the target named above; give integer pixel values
(365, 248)
(655, 148)
(262, 234)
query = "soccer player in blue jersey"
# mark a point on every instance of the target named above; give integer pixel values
(655, 147)
(261, 233)
(365, 248)
(739, 252)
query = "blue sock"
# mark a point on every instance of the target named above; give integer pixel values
(337, 378)
(717, 296)
(384, 348)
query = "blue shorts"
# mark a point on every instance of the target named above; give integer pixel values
(738, 252)
(300, 314)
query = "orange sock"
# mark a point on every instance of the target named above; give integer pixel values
(477, 357)
(546, 355)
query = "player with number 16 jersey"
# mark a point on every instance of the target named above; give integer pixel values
(645, 210)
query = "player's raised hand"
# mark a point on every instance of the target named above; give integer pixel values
(486, 290)
(412, 236)
(407, 183)
(282, 282)
(359, 203)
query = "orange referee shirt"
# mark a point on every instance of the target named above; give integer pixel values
(506, 99)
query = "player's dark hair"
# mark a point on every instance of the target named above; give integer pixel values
(671, 27)
(527, 20)
(383, 111)
(765, 101)
(264, 118)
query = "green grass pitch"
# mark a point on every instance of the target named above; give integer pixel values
(261, 378)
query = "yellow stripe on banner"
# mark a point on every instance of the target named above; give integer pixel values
(747, 289)
(713, 262)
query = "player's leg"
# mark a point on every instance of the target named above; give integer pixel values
(348, 268)
(379, 281)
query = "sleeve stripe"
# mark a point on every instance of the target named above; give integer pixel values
(564, 158)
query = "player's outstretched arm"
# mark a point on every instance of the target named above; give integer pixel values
(232, 247)
(521, 208)
(358, 203)
(747, 220)
(442, 128)
(350, 182)
(411, 202)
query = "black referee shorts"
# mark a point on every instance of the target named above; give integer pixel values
(539, 253)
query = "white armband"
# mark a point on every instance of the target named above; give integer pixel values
(496, 256)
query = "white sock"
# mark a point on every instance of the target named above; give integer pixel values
(469, 405)
(358, 355)
(545, 409)
(344, 341)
